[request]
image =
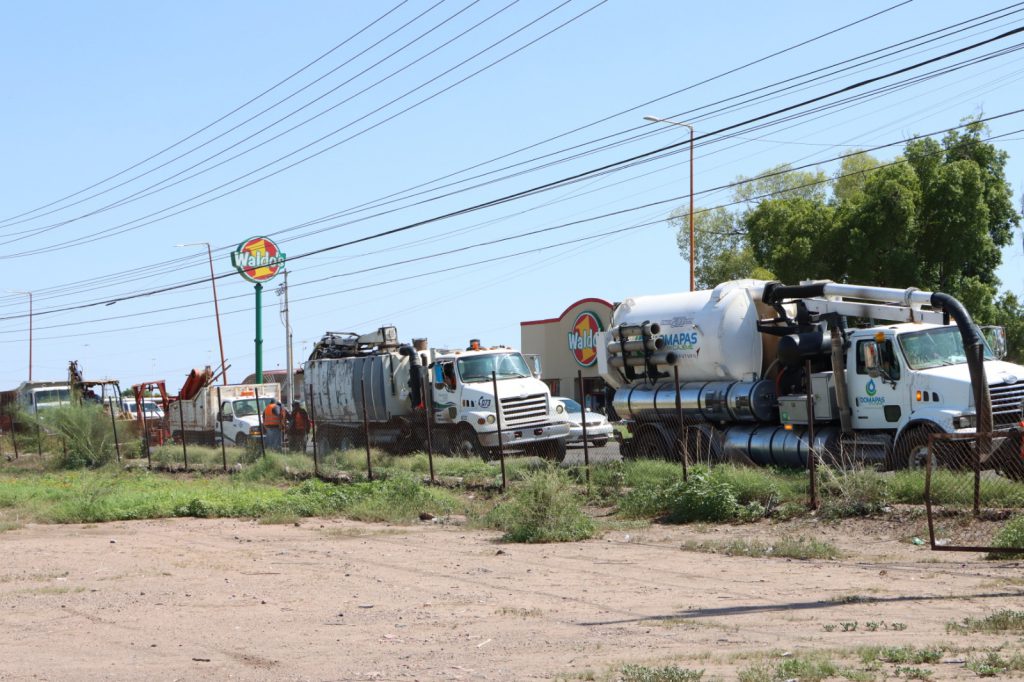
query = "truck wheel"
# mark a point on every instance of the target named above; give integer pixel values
(468, 445)
(911, 451)
(241, 440)
(600, 442)
(323, 444)
(554, 450)
(652, 443)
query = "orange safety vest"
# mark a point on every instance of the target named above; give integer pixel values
(271, 419)
(300, 420)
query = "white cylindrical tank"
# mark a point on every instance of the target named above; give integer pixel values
(713, 333)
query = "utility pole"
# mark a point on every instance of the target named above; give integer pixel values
(283, 290)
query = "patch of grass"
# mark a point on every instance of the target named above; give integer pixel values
(519, 613)
(910, 673)
(1011, 535)
(785, 547)
(1000, 621)
(811, 667)
(903, 654)
(701, 498)
(670, 673)
(86, 433)
(543, 508)
(398, 500)
(993, 664)
(858, 492)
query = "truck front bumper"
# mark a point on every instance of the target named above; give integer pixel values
(519, 435)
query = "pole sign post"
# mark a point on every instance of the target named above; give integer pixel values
(258, 260)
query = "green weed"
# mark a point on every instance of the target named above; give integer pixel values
(1011, 535)
(670, 673)
(1000, 621)
(543, 508)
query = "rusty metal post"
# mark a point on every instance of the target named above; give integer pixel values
(113, 425)
(812, 460)
(312, 420)
(428, 405)
(14, 437)
(181, 423)
(220, 425)
(259, 418)
(366, 430)
(497, 414)
(39, 437)
(683, 453)
(145, 425)
(977, 479)
(586, 446)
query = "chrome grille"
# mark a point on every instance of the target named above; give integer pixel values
(1006, 403)
(523, 411)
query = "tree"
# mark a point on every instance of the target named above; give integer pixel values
(722, 250)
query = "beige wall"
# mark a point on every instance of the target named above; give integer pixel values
(550, 339)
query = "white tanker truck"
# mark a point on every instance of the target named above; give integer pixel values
(403, 382)
(879, 390)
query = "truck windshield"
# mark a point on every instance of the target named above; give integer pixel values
(505, 365)
(936, 348)
(247, 408)
(55, 395)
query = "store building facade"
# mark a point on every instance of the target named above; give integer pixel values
(567, 347)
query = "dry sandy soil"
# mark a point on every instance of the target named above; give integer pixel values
(194, 599)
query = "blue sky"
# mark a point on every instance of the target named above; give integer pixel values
(94, 89)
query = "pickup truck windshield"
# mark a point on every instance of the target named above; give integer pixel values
(936, 347)
(247, 408)
(53, 395)
(505, 365)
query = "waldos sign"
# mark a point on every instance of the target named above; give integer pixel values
(583, 338)
(258, 259)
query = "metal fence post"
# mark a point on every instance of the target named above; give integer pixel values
(366, 430)
(14, 437)
(812, 460)
(220, 425)
(497, 414)
(683, 448)
(259, 418)
(113, 425)
(586, 446)
(428, 404)
(145, 427)
(39, 437)
(312, 425)
(181, 422)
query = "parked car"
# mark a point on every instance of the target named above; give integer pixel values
(151, 408)
(599, 430)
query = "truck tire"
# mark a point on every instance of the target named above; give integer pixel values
(323, 444)
(911, 450)
(468, 445)
(550, 450)
(241, 440)
(600, 442)
(653, 442)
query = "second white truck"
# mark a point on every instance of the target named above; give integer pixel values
(236, 418)
(406, 386)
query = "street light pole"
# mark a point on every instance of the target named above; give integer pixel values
(216, 308)
(693, 252)
(29, 294)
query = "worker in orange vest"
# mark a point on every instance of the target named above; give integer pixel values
(274, 417)
(299, 424)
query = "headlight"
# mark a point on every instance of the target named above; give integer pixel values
(559, 408)
(490, 419)
(965, 421)
(254, 430)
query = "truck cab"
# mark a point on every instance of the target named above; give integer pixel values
(909, 374)
(463, 385)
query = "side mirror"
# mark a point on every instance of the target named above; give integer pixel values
(995, 336)
(534, 362)
(438, 374)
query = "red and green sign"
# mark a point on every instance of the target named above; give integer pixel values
(258, 259)
(583, 339)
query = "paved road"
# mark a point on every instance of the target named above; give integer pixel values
(608, 453)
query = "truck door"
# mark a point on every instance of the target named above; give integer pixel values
(444, 395)
(876, 401)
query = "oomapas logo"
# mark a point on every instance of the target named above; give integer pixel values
(583, 339)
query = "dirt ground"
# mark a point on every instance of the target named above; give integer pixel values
(189, 599)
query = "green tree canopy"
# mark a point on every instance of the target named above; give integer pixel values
(934, 218)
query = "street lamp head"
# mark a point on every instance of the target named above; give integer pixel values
(654, 119)
(193, 244)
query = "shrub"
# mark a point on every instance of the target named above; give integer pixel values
(87, 433)
(702, 498)
(543, 508)
(1010, 535)
(858, 492)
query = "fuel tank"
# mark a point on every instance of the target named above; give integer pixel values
(713, 401)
